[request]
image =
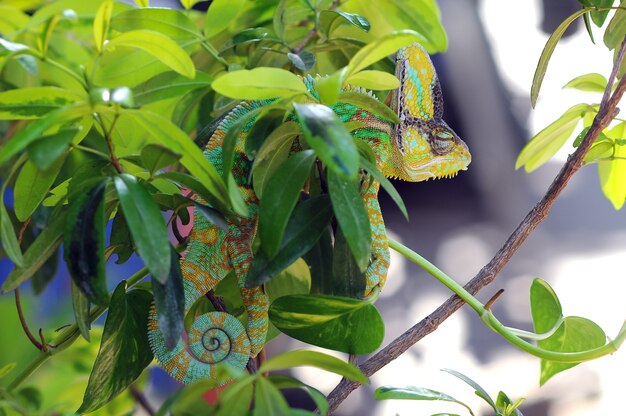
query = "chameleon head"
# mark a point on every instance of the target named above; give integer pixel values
(424, 146)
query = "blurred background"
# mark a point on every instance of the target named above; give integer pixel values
(460, 223)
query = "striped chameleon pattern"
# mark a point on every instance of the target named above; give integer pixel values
(421, 147)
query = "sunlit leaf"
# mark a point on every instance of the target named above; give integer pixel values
(329, 19)
(220, 14)
(612, 175)
(588, 82)
(374, 80)
(169, 22)
(101, 23)
(33, 102)
(268, 400)
(31, 186)
(259, 84)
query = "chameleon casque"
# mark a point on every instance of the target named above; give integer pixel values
(421, 147)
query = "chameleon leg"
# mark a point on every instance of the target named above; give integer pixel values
(213, 338)
(255, 301)
(376, 272)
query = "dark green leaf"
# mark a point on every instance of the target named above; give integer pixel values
(283, 191)
(80, 304)
(320, 259)
(348, 280)
(268, 400)
(244, 37)
(169, 22)
(341, 324)
(309, 220)
(155, 157)
(369, 103)
(332, 143)
(193, 184)
(546, 54)
(328, 18)
(31, 186)
(352, 217)
(84, 241)
(45, 274)
(169, 299)
(304, 60)
(212, 215)
(387, 186)
(33, 102)
(283, 382)
(7, 233)
(599, 16)
(46, 150)
(124, 350)
(37, 253)
(169, 85)
(299, 358)
(261, 130)
(146, 225)
(478, 390)
(120, 240)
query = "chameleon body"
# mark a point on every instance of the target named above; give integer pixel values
(421, 147)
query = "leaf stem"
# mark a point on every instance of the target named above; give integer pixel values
(67, 336)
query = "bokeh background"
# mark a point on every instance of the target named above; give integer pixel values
(459, 224)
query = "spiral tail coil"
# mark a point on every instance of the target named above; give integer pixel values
(214, 338)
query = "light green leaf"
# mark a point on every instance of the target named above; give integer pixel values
(283, 192)
(159, 46)
(615, 31)
(142, 3)
(545, 306)
(268, 400)
(299, 358)
(101, 23)
(124, 350)
(337, 323)
(259, 84)
(12, 19)
(33, 102)
(478, 390)
(169, 85)
(546, 54)
(381, 48)
(32, 185)
(188, 4)
(146, 225)
(589, 82)
(169, 22)
(7, 233)
(374, 80)
(294, 280)
(278, 22)
(549, 140)
(220, 14)
(612, 175)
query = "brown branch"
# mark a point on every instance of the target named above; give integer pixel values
(607, 112)
(140, 398)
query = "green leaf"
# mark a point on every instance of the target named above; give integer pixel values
(414, 393)
(299, 358)
(33, 102)
(574, 335)
(80, 305)
(612, 175)
(320, 258)
(268, 400)
(169, 298)
(259, 84)
(374, 80)
(169, 85)
(478, 390)
(161, 130)
(188, 4)
(262, 130)
(352, 217)
(213, 216)
(169, 22)
(369, 103)
(546, 54)
(387, 186)
(7, 369)
(285, 382)
(7, 234)
(332, 143)
(549, 140)
(37, 253)
(308, 222)
(274, 150)
(190, 182)
(348, 280)
(31, 186)
(101, 23)
(599, 16)
(142, 3)
(381, 48)
(545, 306)
(330, 19)
(341, 324)
(146, 225)
(124, 350)
(304, 60)
(159, 46)
(283, 191)
(615, 31)
(329, 87)
(45, 151)
(84, 241)
(294, 280)
(220, 15)
(589, 82)
(155, 157)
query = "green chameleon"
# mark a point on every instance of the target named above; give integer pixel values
(421, 147)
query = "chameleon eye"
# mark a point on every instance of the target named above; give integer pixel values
(442, 142)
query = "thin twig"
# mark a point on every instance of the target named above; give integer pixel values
(607, 111)
(140, 398)
(20, 314)
(493, 299)
(313, 32)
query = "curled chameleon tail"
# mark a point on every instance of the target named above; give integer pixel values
(217, 337)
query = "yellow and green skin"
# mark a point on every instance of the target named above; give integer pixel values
(421, 147)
